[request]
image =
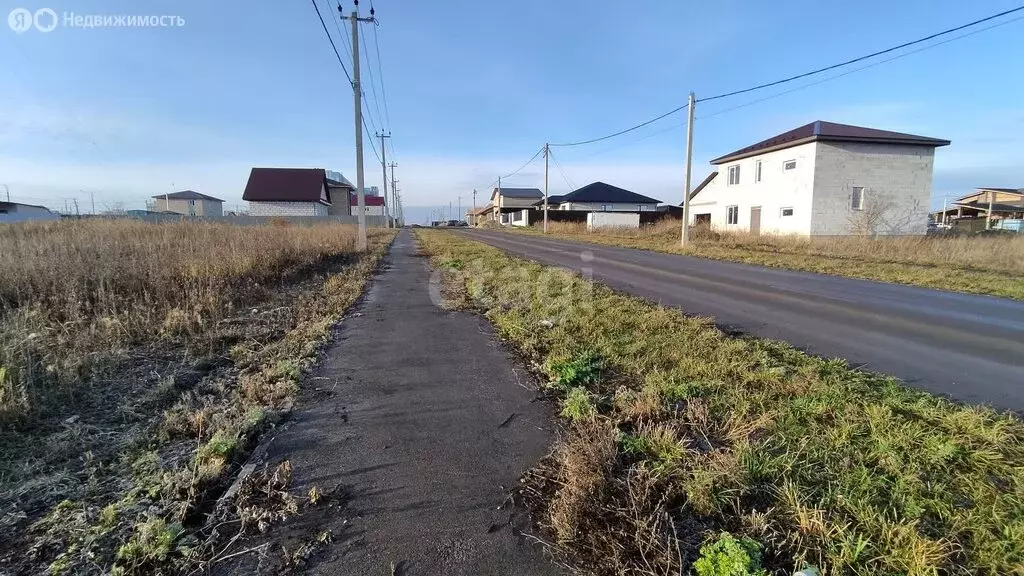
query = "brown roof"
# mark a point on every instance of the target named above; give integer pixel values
(703, 184)
(829, 132)
(286, 185)
(480, 210)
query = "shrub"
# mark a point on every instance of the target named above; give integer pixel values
(728, 556)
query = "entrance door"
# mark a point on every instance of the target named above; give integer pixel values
(755, 220)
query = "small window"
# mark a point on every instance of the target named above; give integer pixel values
(191, 202)
(734, 174)
(857, 198)
(757, 171)
(789, 165)
(786, 212)
(732, 214)
(606, 208)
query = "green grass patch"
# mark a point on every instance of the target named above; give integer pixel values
(817, 463)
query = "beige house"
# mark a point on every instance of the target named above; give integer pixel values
(505, 201)
(189, 203)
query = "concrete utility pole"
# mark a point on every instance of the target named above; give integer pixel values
(499, 199)
(357, 93)
(474, 198)
(685, 239)
(943, 216)
(988, 217)
(384, 169)
(458, 213)
(8, 190)
(394, 189)
(547, 152)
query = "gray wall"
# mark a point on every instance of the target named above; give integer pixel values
(258, 220)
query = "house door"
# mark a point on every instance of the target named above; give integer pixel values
(755, 220)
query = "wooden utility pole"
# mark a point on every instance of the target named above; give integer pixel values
(685, 239)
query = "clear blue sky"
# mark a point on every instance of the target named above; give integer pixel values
(474, 88)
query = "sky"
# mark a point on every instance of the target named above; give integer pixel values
(113, 116)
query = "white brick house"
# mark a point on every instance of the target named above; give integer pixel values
(297, 192)
(822, 179)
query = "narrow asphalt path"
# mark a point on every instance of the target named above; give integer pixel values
(426, 424)
(967, 347)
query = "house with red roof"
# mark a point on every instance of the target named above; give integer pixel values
(297, 192)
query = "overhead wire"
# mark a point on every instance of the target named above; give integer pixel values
(380, 78)
(862, 58)
(812, 73)
(328, 33)
(848, 72)
(568, 181)
(621, 132)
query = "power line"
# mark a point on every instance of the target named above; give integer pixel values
(848, 72)
(861, 58)
(328, 33)
(373, 83)
(621, 132)
(383, 92)
(565, 177)
(516, 171)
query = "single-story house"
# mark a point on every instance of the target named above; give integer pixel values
(554, 201)
(373, 204)
(297, 192)
(601, 197)
(477, 216)
(189, 203)
(822, 178)
(1005, 203)
(18, 212)
(507, 200)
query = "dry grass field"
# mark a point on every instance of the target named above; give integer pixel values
(980, 265)
(689, 451)
(138, 364)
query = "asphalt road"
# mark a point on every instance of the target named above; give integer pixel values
(968, 347)
(425, 423)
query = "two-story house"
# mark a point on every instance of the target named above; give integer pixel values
(822, 178)
(506, 201)
(189, 203)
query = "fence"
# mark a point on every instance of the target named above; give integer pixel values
(378, 221)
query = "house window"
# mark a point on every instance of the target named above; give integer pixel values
(606, 207)
(734, 174)
(757, 171)
(732, 214)
(857, 198)
(191, 202)
(789, 165)
(786, 212)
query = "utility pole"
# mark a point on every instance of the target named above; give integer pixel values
(499, 199)
(8, 189)
(449, 210)
(458, 213)
(943, 214)
(685, 239)
(988, 217)
(92, 200)
(547, 152)
(394, 189)
(384, 168)
(357, 93)
(474, 198)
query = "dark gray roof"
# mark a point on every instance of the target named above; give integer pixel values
(601, 192)
(187, 195)
(520, 192)
(1007, 190)
(831, 132)
(557, 199)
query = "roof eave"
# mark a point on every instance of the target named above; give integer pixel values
(929, 142)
